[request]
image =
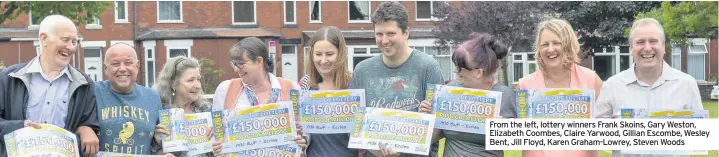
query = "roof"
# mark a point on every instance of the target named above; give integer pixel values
(154, 34)
(8, 33)
(369, 34)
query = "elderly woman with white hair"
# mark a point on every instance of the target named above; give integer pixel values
(179, 87)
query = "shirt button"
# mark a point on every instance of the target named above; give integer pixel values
(48, 102)
(50, 84)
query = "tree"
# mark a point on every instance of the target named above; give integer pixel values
(209, 74)
(685, 20)
(78, 11)
(513, 23)
(600, 23)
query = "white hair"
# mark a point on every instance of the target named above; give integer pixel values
(645, 21)
(47, 25)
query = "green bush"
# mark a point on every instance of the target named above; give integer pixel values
(209, 75)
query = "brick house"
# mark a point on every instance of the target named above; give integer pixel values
(160, 30)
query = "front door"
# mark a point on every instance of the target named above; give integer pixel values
(93, 63)
(289, 62)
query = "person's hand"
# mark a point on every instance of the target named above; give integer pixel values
(170, 155)
(387, 152)
(89, 143)
(216, 147)
(425, 107)
(301, 141)
(161, 129)
(29, 123)
(211, 132)
(299, 128)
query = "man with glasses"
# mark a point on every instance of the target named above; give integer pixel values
(128, 111)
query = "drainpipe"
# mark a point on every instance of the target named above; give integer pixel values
(134, 22)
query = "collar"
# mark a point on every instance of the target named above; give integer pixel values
(35, 67)
(668, 73)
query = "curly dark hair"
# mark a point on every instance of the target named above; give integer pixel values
(392, 10)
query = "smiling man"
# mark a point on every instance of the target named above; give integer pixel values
(398, 78)
(651, 83)
(128, 111)
(47, 90)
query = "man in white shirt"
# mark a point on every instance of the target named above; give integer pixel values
(651, 83)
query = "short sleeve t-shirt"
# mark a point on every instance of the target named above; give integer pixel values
(127, 121)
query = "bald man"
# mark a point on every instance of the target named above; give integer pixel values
(130, 131)
(47, 90)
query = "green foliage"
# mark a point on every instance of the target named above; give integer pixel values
(600, 23)
(209, 74)
(78, 11)
(685, 20)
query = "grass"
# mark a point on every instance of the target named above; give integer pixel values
(708, 105)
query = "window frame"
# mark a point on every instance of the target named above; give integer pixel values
(178, 44)
(150, 48)
(170, 21)
(97, 25)
(703, 53)
(369, 14)
(254, 8)
(117, 19)
(294, 10)
(319, 15)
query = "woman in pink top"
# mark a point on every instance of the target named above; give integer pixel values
(557, 49)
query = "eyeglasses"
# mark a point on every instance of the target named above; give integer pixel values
(238, 64)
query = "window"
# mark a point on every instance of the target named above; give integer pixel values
(359, 11)
(357, 54)
(676, 57)
(425, 9)
(696, 59)
(443, 57)
(93, 63)
(290, 12)
(149, 62)
(150, 68)
(121, 12)
(608, 61)
(178, 48)
(289, 49)
(521, 64)
(169, 11)
(93, 23)
(34, 21)
(179, 52)
(315, 12)
(93, 52)
(243, 12)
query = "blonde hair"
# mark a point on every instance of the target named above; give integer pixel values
(570, 43)
(342, 76)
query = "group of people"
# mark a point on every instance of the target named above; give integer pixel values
(118, 115)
